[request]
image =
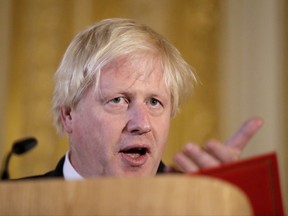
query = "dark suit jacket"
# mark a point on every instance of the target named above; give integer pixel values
(58, 171)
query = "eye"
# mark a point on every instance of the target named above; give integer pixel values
(154, 102)
(155, 106)
(119, 100)
(117, 105)
(116, 100)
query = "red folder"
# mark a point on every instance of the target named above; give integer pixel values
(258, 177)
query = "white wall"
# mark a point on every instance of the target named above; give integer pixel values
(252, 66)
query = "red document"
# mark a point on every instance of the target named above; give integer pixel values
(258, 177)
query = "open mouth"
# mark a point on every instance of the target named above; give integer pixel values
(135, 156)
(135, 152)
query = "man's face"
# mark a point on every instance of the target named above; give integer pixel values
(122, 128)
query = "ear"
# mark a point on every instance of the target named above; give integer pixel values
(66, 119)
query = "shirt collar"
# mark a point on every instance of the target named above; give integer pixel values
(68, 170)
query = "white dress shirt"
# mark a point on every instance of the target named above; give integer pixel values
(68, 170)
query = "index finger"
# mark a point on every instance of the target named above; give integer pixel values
(245, 133)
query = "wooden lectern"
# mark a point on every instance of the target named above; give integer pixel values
(161, 195)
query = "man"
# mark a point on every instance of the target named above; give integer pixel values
(117, 88)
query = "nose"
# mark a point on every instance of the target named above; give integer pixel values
(138, 120)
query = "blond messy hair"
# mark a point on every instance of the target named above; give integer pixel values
(97, 46)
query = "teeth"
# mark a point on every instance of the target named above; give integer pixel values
(134, 155)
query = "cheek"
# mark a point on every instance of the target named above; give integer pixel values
(98, 131)
(166, 128)
(85, 129)
(162, 127)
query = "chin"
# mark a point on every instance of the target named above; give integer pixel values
(136, 172)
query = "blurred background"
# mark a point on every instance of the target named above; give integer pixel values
(237, 47)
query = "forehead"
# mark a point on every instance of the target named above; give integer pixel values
(124, 72)
(141, 66)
